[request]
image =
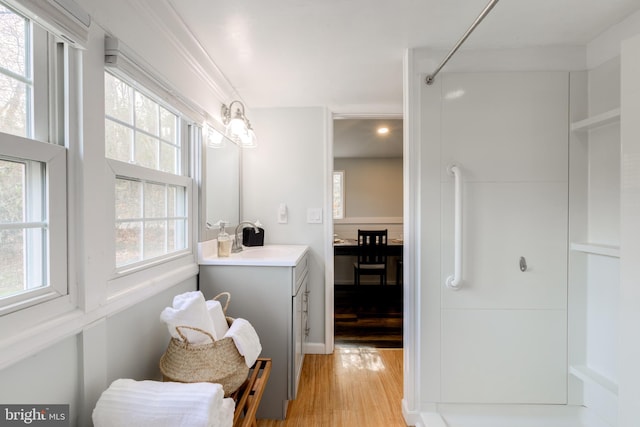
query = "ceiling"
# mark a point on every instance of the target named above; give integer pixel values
(359, 138)
(347, 55)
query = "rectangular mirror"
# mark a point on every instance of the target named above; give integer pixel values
(222, 180)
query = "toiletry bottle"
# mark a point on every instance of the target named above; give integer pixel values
(224, 241)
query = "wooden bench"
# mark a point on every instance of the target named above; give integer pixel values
(248, 396)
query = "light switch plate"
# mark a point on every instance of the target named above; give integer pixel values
(314, 215)
(283, 215)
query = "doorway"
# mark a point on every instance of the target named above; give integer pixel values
(367, 195)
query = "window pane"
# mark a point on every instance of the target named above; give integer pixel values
(154, 201)
(36, 257)
(175, 235)
(139, 129)
(12, 187)
(128, 199)
(338, 195)
(119, 140)
(168, 155)
(146, 151)
(13, 31)
(180, 202)
(13, 106)
(168, 126)
(146, 114)
(12, 262)
(128, 243)
(171, 201)
(156, 231)
(154, 238)
(118, 102)
(23, 230)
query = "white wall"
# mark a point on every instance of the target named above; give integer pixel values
(373, 186)
(290, 166)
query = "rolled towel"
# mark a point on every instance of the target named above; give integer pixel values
(189, 309)
(163, 404)
(246, 340)
(220, 325)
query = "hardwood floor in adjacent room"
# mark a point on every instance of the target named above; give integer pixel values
(370, 315)
(354, 386)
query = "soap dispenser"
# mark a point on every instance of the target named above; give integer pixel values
(224, 241)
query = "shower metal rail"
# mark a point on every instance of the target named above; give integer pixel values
(431, 77)
(453, 282)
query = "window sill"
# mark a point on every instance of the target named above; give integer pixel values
(62, 319)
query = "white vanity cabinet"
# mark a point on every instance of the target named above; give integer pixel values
(271, 293)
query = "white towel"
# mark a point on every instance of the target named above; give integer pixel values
(163, 404)
(220, 325)
(189, 309)
(246, 340)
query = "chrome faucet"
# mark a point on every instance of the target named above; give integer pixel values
(237, 245)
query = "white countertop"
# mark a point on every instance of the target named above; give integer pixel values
(268, 255)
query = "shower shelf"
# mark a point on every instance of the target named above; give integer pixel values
(588, 375)
(608, 117)
(597, 249)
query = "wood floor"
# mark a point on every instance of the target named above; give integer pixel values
(354, 386)
(370, 316)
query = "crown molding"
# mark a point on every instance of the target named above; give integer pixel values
(163, 16)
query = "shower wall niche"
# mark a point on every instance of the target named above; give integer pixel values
(594, 235)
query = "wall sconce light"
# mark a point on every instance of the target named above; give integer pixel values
(238, 126)
(212, 137)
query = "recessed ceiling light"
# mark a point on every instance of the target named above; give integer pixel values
(383, 130)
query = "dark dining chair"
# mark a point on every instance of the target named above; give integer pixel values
(372, 255)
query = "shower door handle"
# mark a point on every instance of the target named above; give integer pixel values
(454, 281)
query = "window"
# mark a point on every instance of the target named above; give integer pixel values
(16, 84)
(25, 65)
(150, 220)
(22, 214)
(33, 247)
(140, 130)
(338, 194)
(144, 140)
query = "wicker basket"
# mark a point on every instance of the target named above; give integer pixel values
(216, 362)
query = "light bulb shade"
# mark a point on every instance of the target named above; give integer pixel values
(213, 138)
(236, 128)
(250, 141)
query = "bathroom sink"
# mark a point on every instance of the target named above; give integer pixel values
(269, 251)
(275, 255)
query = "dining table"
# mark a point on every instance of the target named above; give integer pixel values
(349, 247)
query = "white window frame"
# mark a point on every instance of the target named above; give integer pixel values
(340, 215)
(142, 273)
(47, 112)
(54, 158)
(137, 173)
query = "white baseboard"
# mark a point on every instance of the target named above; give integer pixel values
(314, 348)
(411, 418)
